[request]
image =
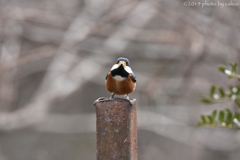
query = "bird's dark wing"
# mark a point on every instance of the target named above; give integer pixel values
(107, 74)
(133, 77)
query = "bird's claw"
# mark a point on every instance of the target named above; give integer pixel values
(112, 96)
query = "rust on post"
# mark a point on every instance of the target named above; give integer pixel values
(116, 129)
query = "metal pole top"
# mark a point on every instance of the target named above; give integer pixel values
(116, 129)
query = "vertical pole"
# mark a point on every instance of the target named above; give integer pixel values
(116, 129)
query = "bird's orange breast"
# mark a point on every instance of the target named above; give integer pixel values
(120, 87)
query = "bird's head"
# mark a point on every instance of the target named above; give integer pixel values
(122, 64)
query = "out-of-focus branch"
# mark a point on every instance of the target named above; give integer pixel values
(151, 121)
(30, 57)
(145, 35)
(65, 80)
(35, 15)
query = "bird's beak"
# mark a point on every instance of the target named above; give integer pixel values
(122, 63)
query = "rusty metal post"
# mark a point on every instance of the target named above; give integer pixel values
(116, 129)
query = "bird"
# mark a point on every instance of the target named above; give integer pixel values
(121, 80)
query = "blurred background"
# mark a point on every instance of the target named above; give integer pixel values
(55, 54)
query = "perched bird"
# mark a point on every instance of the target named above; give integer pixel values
(121, 80)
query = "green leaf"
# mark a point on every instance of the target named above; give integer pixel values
(214, 114)
(222, 68)
(228, 111)
(221, 116)
(206, 100)
(228, 116)
(212, 90)
(230, 63)
(237, 116)
(230, 88)
(237, 97)
(204, 119)
(234, 66)
(221, 92)
(238, 89)
(210, 119)
(199, 124)
(230, 76)
(237, 103)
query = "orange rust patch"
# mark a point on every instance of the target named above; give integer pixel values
(123, 87)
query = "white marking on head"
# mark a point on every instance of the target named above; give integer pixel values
(114, 67)
(119, 78)
(128, 69)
